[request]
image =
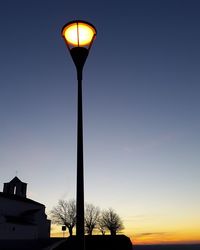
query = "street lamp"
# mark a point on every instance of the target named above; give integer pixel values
(79, 36)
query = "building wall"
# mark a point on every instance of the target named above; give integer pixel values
(14, 232)
(44, 229)
(37, 225)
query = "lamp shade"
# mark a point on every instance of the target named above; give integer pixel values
(79, 33)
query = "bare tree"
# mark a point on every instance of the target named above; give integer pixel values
(91, 218)
(65, 214)
(101, 226)
(111, 221)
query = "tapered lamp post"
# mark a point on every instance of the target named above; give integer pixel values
(79, 36)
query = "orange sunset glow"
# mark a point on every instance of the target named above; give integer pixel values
(154, 236)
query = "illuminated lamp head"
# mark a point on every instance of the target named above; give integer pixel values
(79, 36)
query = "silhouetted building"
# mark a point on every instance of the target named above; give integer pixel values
(20, 217)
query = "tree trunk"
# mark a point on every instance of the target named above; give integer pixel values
(70, 231)
(103, 232)
(113, 232)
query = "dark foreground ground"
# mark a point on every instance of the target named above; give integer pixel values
(98, 242)
(119, 242)
(29, 244)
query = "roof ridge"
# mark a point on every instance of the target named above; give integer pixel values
(19, 198)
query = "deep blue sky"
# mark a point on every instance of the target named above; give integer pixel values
(141, 107)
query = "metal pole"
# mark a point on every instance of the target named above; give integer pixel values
(79, 56)
(80, 228)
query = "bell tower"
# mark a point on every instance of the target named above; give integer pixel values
(15, 187)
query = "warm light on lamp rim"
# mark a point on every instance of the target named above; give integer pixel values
(79, 33)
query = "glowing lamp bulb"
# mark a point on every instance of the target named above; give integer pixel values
(79, 33)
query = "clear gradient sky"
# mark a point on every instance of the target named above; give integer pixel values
(141, 110)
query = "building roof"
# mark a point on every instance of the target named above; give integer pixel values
(19, 198)
(16, 179)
